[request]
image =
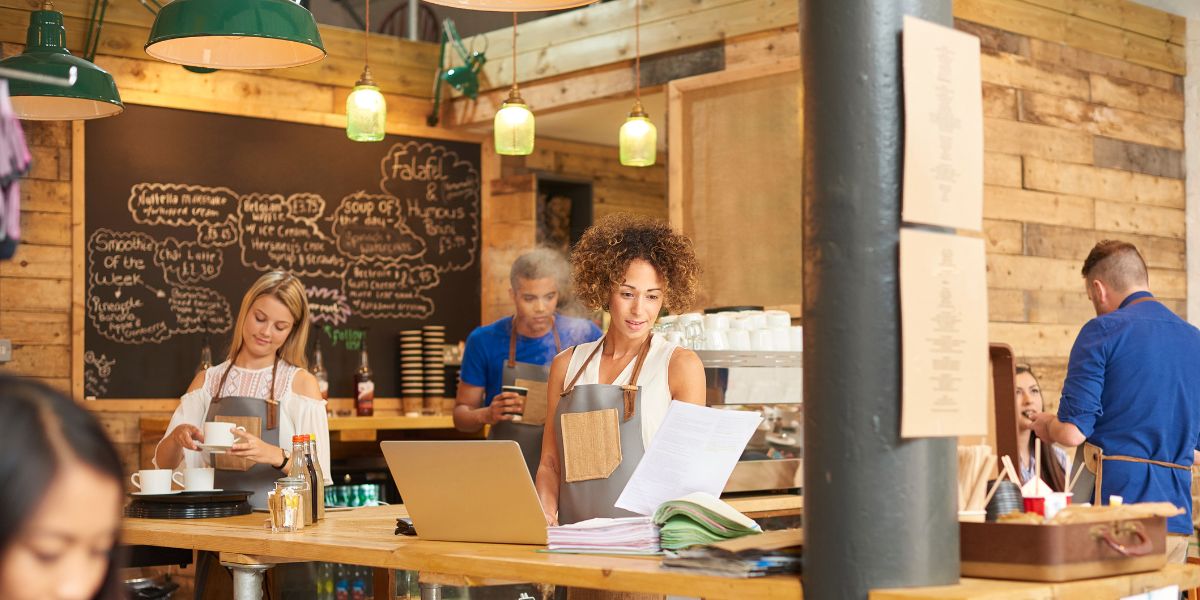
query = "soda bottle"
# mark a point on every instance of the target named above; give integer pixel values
(298, 467)
(318, 478)
(341, 587)
(318, 371)
(358, 587)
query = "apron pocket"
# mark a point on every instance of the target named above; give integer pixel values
(535, 402)
(226, 462)
(591, 444)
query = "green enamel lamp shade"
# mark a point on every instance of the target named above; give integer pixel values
(235, 34)
(93, 95)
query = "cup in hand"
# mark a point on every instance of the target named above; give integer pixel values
(152, 481)
(198, 479)
(516, 413)
(220, 433)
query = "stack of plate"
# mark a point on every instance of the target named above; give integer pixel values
(412, 368)
(433, 342)
(190, 505)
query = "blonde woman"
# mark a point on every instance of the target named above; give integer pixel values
(264, 385)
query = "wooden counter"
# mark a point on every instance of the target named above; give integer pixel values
(365, 536)
(390, 422)
(1185, 576)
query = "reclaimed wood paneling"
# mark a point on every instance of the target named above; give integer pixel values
(1108, 184)
(1139, 158)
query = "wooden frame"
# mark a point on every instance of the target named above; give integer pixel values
(489, 170)
(679, 161)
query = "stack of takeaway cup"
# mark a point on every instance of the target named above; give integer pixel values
(412, 372)
(434, 363)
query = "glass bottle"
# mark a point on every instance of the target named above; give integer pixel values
(318, 371)
(205, 357)
(318, 478)
(364, 388)
(298, 468)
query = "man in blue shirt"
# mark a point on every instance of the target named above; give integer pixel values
(537, 279)
(1133, 390)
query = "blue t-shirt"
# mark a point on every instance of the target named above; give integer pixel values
(487, 350)
(1133, 389)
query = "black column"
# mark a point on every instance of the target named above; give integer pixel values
(878, 511)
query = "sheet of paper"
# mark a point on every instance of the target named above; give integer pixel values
(943, 127)
(694, 450)
(944, 340)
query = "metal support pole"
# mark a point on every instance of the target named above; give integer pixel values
(247, 580)
(879, 511)
(414, 19)
(431, 591)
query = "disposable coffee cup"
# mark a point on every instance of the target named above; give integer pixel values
(523, 393)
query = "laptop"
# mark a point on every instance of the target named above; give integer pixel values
(467, 491)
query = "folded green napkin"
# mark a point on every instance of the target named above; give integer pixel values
(699, 519)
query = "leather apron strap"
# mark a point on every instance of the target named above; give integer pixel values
(512, 341)
(630, 389)
(272, 403)
(1094, 458)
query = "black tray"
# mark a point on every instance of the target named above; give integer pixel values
(190, 505)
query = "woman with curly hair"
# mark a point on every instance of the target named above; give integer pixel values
(610, 396)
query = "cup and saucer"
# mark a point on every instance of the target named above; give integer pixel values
(219, 436)
(197, 480)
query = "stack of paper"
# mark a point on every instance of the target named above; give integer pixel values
(772, 553)
(628, 535)
(698, 519)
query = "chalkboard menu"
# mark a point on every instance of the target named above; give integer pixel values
(184, 210)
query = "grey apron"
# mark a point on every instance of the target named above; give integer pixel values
(526, 435)
(260, 478)
(583, 500)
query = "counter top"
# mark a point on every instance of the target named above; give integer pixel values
(365, 536)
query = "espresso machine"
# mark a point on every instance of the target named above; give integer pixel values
(770, 383)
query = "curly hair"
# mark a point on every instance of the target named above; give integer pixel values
(603, 254)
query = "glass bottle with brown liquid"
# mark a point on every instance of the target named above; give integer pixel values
(318, 371)
(364, 388)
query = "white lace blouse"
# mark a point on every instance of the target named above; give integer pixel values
(298, 414)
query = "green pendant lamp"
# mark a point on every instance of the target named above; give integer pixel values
(235, 34)
(638, 136)
(93, 95)
(513, 126)
(366, 108)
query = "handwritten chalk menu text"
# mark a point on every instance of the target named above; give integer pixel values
(384, 237)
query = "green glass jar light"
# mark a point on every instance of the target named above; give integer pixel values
(366, 111)
(513, 126)
(638, 139)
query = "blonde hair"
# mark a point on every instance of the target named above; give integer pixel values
(287, 289)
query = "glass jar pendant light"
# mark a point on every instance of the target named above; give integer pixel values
(513, 125)
(366, 109)
(638, 137)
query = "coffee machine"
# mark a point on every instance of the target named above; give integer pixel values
(770, 383)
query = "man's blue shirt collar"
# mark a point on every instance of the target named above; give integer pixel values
(1134, 296)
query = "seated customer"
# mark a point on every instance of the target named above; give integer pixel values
(1055, 465)
(60, 512)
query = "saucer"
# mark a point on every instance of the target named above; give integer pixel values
(215, 449)
(170, 493)
(202, 491)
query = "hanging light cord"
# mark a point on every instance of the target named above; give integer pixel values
(637, 37)
(514, 52)
(367, 37)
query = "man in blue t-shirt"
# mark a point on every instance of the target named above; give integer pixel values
(1133, 390)
(537, 279)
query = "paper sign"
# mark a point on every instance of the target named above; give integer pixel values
(944, 337)
(694, 450)
(943, 127)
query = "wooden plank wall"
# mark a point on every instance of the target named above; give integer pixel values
(1080, 147)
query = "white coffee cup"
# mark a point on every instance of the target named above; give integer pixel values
(778, 318)
(781, 339)
(220, 433)
(152, 481)
(716, 339)
(739, 339)
(716, 322)
(762, 340)
(199, 479)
